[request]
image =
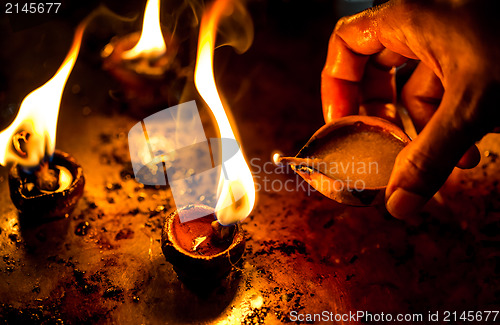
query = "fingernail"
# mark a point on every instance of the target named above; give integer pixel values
(402, 204)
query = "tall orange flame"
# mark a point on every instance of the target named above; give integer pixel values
(236, 186)
(36, 121)
(151, 43)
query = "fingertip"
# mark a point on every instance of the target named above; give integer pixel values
(405, 205)
(339, 98)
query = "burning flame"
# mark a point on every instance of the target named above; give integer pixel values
(151, 43)
(236, 186)
(31, 137)
(276, 158)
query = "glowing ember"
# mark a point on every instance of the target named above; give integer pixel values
(236, 186)
(32, 135)
(151, 43)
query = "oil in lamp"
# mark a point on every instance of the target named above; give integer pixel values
(201, 250)
(206, 247)
(44, 183)
(145, 65)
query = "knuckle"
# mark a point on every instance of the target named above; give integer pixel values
(424, 170)
(419, 161)
(341, 24)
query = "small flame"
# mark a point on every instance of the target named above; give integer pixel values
(31, 137)
(276, 158)
(236, 186)
(151, 43)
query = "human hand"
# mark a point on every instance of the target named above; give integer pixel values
(451, 96)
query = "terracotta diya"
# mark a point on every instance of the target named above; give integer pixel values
(148, 82)
(49, 193)
(201, 250)
(350, 160)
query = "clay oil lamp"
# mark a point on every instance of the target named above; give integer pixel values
(350, 160)
(51, 191)
(203, 243)
(145, 65)
(201, 250)
(44, 183)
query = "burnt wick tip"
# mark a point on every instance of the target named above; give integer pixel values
(47, 179)
(19, 141)
(221, 232)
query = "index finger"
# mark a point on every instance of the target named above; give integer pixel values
(353, 41)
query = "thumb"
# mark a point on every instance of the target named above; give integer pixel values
(423, 166)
